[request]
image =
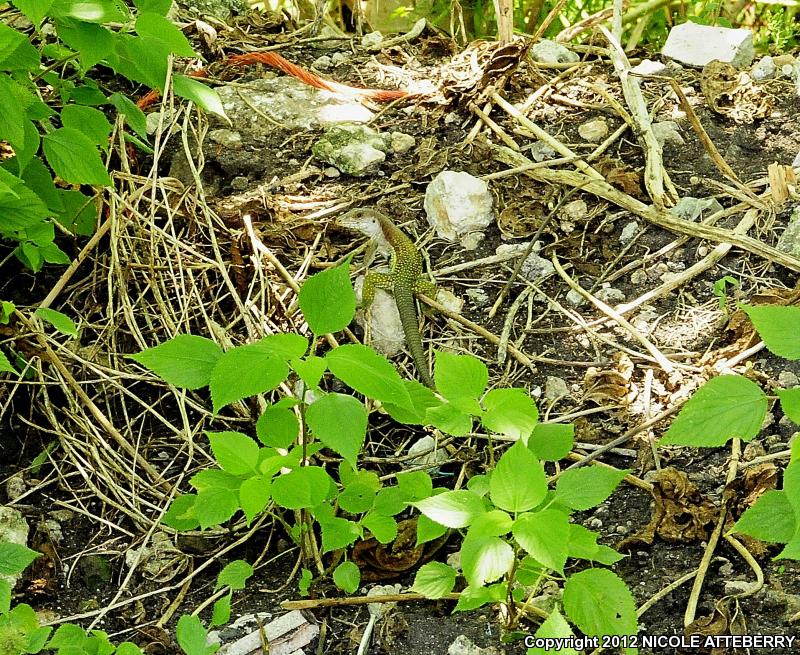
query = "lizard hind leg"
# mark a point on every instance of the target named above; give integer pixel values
(372, 282)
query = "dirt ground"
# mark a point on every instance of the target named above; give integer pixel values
(612, 390)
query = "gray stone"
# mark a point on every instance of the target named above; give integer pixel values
(610, 295)
(354, 149)
(401, 142)
(550, 52)
(322, 63)
(463, 645)
(667, 132)
(628, 232)
(574, 298)
(371, 40)
(788, 380)
(796, 160)
(13, 530)
(382, 321)
(789, 241)
(458, 204)
(555, 388)
(764, 69)
(536, 268)
(541, 151)
(691, 209)
(594, 130)
(339, 58)
(650, 67)
(696, 45)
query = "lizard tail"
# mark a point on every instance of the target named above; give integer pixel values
(408, 319)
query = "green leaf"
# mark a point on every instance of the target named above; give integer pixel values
(778, 326)
(180, 514)
(153, 6)
(552, 442)
(16, 53)
(471, 598)
(510, 412)
(347, 577)
(422, 399)
(367, 372)
(383, 528)
(35, 10)
(544, 535)
(234, 575)
(277, 427)
(415, 485)
(79, 212)
(214, 506)
(554, 627)
(434, 580)
(459, 376)
(724, 407)
(304, 583)
(428, 530)
(12, 111)
(254, 494)
(586, 487)
(390, 501)
(494, 523)
(92, 122)
(301, 488)
(245, 371)
(599, 603)
(770, 519)
(453, 509)
(15, 558)
(449, 419)
(285, 345)
(790, 403)
(141, 59)
(128, 648)
(192, 636)
(92, 42)
(485, 559)
(310, 370)
(184, 361)
(20, 207)
(158, 27)
(518, 482)
(61, 322)
(91, 11)
(337, 533)
(5, 365)
(236, 453)
(221, 612)
(74, 157)
(357, 498)
(200, 94)
(87, 94)
(327, 300)
(340, 422)
(133, 115)
(214, 478)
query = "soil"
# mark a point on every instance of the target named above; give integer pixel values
(602, 381)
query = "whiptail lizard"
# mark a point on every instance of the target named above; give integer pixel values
(403, 280)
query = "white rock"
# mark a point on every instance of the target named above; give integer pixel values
(555, 388)
(339, 58)
(667, 132)
(574, 298)
(696, 45)
(372, 39)
(322, 63)
(690, 209)
(449, 300)
(385, 328)
(610, 295)
(463, 646)
(575, 210)
(650, 67)
(764, 69)
(430, 454)
(401, 142)
(593, 131)
(541, 151)
(796, 162)
(639, 276)
(628, 232)
(550, 52)
(536, 268)
(457, 204)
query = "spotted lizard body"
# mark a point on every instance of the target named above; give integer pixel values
(403, 280)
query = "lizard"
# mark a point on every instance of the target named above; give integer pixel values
(403, 280)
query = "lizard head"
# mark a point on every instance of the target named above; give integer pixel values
(364, 220)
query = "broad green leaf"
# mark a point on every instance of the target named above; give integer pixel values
(59, 321)
(434, 580)
(586, 487)
(494, 523)
(340, 422)
(338, 533)
(518, 482)
(234, 575)
(214, 478)
(544, 536)
(583, 545)
(254, 494)
(449, 419)
(200, 94)
(453, 509)
(349, 475)
(40, 180)
(301, 488)
(428, 530)
(485, 559)
(778, 326)
(221, 611)
(12, 111)
(552, 442)
(245, 371)
(5, 364)
(214, 506)
(79, 212)
(770, 519)
(20, 207)
(184, 361)
(383, 528)
(277, 427)
(15, 558)
(791, 487)
(92, 122)
(415, 485)
(357, 498)
(422, 399)
(310, 370)
(510, 412)
(328, 301)
(347, 577)
(180, 514)
(87, 94)
(153, 6)
(236, 453)
(724, 407)
(192, 636)
(158, 27)
(129, 648)
(599, 603)
(286, 345)
(92, 42)
(790, 403)
(554, 627)
(91, 11)
(390, 501)
(471, 598)
(459, 375)
(141, 59)
(133, 115)
(74, 157)
(16, 52)
(479, 484)
(34, 10)
(369, 373)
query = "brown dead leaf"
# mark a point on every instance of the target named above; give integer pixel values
(621, 176)
(610, 385)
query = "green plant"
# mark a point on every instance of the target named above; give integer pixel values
(49, 115)
(518, 533)
(721, 291)
(732, 406)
